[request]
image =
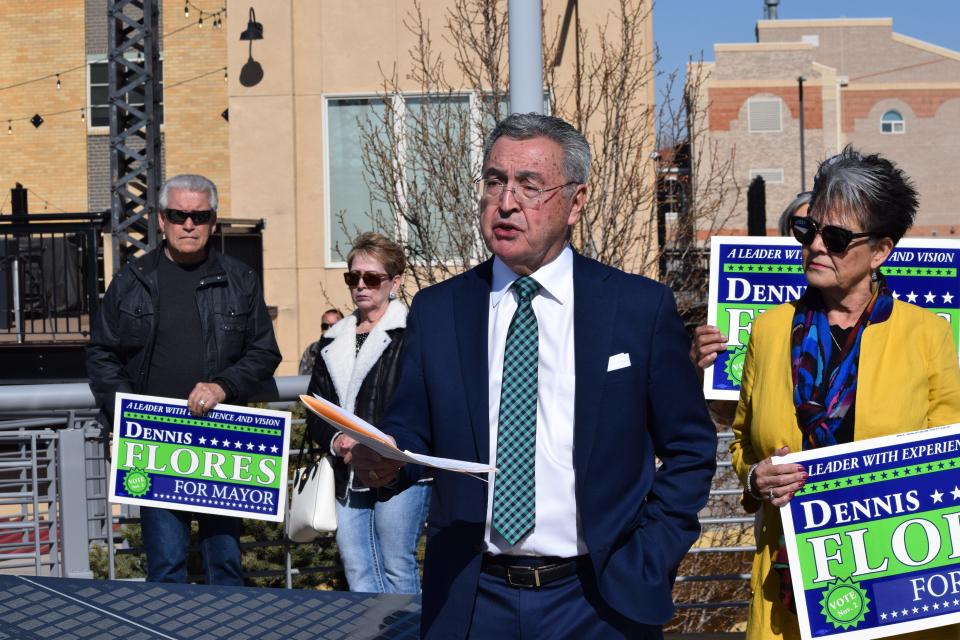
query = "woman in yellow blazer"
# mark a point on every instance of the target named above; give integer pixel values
(845, 362)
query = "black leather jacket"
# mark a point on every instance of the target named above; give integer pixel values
(239, 347)
(373, 397)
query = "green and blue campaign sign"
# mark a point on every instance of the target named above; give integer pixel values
(231, 461)
(873, 538)
(749, 275)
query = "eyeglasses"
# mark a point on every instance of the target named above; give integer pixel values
(372, 279)
(835, 239)
(525, 194)
(179, 217)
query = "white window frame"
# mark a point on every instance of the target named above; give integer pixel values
(764, 172)
(902, 123)
(766, 99)
(100, 130)
(476, 155)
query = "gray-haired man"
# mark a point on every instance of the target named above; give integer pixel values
(184, 321)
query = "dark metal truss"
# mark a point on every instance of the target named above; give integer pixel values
(133, 35)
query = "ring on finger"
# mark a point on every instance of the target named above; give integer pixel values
(203, 402)
(770, 495)
(374, 475)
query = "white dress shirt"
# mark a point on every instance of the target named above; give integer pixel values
(556, 529)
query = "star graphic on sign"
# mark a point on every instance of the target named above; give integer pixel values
(905, 612)
(947, 298)
(249, 446)
(214, 442)
(946, 605)
(956, 492)
(883, 616)
(911, 297)
(915, 610)
(273, 448)
(926, 608)
(893, 614)
(956, 602)
(262, 447)
(226, 443)
(238, 445)
(935, 606)
(929, 297)
(896, 296)
(203, 440)
(937, 496)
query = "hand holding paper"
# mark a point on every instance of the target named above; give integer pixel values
(381, 444)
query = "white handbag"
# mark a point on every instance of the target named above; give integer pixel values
(312, 500)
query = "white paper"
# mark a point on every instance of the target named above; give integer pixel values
(371, 437)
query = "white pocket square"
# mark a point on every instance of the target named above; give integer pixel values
(619, 361)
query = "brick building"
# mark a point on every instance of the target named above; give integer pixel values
(863, 85)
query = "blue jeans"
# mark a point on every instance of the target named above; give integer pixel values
(378, 540)
(166, 539)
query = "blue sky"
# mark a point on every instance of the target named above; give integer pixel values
(685, 27)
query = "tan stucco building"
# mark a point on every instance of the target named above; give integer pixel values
(864, 85)
(284, 149)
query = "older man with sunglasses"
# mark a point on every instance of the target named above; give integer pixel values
(184, 321)
(845, 362)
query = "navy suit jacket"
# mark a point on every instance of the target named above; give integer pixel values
(638, 520)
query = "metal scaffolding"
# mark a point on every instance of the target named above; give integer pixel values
(134, 88)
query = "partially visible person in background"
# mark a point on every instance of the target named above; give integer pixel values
(358, 368)
(329, 318)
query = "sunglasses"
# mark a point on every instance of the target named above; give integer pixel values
(325, 325)
(179, 217)
(370, 278)
(835, 239)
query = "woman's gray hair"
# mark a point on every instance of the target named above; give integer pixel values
(872, 189)
(784, 224)
(524, 126)
(189, 182)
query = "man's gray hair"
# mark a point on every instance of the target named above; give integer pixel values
(524, 126)
(189, 182)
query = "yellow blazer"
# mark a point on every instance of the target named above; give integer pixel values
(908, 379)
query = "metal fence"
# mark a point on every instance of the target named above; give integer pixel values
(53, 482)
(48, 276)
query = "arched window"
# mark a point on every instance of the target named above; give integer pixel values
(892, 122)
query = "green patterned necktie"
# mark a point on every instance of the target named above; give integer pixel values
(514, 495)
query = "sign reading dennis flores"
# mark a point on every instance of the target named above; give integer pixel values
(232, 461)
(749, 275)
(874, 536)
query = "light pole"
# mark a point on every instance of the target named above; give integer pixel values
(803, 173)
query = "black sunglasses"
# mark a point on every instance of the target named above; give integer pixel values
(179, 217)
(835, 239)
(370, 278)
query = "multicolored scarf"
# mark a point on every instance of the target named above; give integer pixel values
(823, 398)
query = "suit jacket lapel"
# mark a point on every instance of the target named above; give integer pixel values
(595, 305)
(471, 314)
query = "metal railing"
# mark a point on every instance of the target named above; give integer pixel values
(49, 276)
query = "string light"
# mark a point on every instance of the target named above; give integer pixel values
(83, 115)
(9, 127)
(186, 9)
(58, 82)
(224, 74)
(200, 23)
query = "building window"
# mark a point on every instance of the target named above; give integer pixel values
(770, 176)
(763, 115)
(892, 122)
(353, 205)
(98, 109)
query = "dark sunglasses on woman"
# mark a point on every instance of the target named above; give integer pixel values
(370, 278)
(179, 217)
(835, 239)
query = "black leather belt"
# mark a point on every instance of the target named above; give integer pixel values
(527, 575)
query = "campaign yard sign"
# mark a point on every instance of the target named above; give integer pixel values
(749, 275)
(874, 536)
(231, 461)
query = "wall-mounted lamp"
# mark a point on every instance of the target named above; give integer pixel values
(254, 30)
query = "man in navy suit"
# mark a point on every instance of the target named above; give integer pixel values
(573, 379)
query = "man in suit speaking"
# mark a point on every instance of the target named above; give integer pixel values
(573, 379)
